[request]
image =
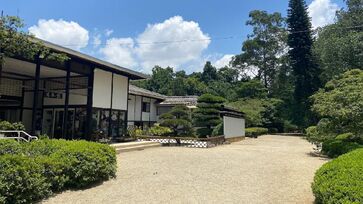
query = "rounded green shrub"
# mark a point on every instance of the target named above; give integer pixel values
(10, 147)
(256, 131)
(334, 148)
(32, 171)
(350, 137)
(22, 180)
(340, 180)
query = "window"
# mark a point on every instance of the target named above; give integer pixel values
(145, 106)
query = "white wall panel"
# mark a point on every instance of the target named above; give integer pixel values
(120, 88)
(131, 108)
(233, 127)
(102, 89)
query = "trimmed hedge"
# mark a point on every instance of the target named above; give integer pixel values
(336, 147)
(340, 180)
(32, 171)
(255, 131)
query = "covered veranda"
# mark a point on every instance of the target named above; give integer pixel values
(80, 98)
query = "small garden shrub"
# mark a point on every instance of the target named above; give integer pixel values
(218, 130)
(256, 131)
(157, 130)
(334, 148)
(46, 166)
(350, 137)
(340, 180)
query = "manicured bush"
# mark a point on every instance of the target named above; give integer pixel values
(350, 137)
(256, 131)
(334, 148)
(51, 165)
(10, 147)
(340, 180)
(157, 130)
(5, 125)
(218, 130)
(22, 180)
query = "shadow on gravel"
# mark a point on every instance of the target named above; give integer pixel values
(320, 156)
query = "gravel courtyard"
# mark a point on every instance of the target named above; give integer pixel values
(270, 169)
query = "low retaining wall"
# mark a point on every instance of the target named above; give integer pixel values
(185, 141)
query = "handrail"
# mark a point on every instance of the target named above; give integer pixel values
(19, 137)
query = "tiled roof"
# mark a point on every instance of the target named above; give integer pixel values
(143, 92)
(180, 100)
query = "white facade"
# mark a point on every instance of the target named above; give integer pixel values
(233, 127)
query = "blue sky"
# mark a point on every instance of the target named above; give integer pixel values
(118, 31)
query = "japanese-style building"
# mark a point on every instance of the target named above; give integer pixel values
(68, 100)
(85, 97)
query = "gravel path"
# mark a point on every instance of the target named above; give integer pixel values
(270, 169)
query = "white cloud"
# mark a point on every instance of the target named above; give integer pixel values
(223, 61)
(188, 43)
(108, 32)
(97, 40)
(120, 51)
(322, 12)
(65, 33)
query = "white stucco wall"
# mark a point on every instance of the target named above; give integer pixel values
(120, 88)
(102, 89)
(233, 127)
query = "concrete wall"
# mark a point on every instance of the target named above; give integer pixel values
(233, 127)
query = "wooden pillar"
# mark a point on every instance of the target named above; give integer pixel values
(87, 134)
(66, 103)
(110, 113)
(35, 94)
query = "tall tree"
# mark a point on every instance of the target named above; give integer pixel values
(305, 68)
(265, 46)
(340, 45)
(209, 72)
(207, 116)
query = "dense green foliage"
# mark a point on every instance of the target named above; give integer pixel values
(5, 125)
(264, 47)
(303, 63)
(340, 45)
(218, 130)
(340, 180)
(32, 171)
(157, 130)
(206, 116)
(256, 131)
(336, 147)
(340, 104)
(178, 119)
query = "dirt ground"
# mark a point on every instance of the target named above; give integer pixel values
(270, 169)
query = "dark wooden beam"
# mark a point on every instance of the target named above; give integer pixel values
(88, 133)
(66, 103)
(35, 95)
